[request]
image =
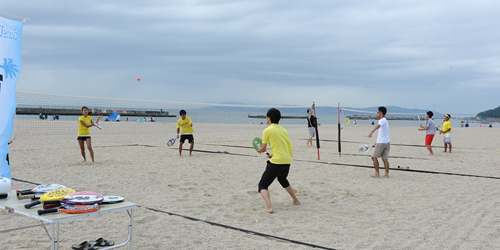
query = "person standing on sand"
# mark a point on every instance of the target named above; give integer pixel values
(185, 127)
(312, 122)
(84, 123)
(430, 127)
(446, 132)
(278, 165)
(383, 145)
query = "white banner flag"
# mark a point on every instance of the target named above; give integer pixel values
(10, 66)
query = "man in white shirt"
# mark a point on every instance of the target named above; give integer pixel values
(383, 143)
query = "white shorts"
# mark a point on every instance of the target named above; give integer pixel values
(311, 132)
(447, 138)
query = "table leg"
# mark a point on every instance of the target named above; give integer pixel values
(52, 240)
(131, 229)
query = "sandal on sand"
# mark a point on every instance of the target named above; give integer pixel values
(81, 246)
(103, 242)
(85, 246)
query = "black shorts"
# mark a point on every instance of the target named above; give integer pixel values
(83, 138)
(190, 138)
(272, 172)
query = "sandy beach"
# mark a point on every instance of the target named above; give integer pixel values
(210, 200)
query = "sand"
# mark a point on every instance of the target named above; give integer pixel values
(452, 206)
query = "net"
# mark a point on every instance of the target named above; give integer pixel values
(43, 115)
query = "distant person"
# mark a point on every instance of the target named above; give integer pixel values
(447, 132)
(355, 122)
(491, 125)
(185, 127)
(373, 123)
(126, 119)
(152, 120)
(430, 129)
(466, 124)
(383, 145)
(312, 122)
(278, 165)
(480, 125)
(84, 123)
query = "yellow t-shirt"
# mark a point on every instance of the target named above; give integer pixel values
(186, 129)
(277, 137)
(446, 126)
(82, 130)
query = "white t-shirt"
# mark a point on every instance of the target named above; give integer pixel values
(383, 131)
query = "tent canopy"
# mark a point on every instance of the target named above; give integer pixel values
(113, 117)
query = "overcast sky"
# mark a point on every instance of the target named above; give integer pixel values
(438, 55)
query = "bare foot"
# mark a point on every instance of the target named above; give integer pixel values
(375, 175)
(295, 202)
(269, 210)
(385, 176)
(431, 154)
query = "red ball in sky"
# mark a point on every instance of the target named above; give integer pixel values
(138, 79)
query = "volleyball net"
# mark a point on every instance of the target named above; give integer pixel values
(43, 115)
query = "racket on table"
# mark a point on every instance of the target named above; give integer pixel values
(171, 142)
(257, 143)
(364, 148)
(71, 209)
(79, 198)
(37, 192)
(112, 199)
(51, 196)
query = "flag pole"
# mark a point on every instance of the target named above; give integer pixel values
(340, 151)
(316, 128)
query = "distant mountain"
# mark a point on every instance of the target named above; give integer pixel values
(492, 113)
(392, 111)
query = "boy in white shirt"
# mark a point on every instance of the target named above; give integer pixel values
(383, 143)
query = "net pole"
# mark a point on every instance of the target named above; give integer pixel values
(340, 151)
(316, 128)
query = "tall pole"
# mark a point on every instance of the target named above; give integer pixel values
(316, 128)
(340, 151)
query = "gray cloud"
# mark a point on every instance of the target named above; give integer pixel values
(426, 54)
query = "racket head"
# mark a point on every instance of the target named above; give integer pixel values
(83, 198)
(257, 143)
(56, 194)
(47, 188)
(71, 209)
(364, 148)
(79, 208)
(171, 142)
(111, 199)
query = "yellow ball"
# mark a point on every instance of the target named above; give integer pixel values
(256, 220)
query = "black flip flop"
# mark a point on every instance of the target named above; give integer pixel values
(85, 246)
(82, 246)
(103, 242)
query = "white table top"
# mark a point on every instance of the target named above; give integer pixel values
(17, 206)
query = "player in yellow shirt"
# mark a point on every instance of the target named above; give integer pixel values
(84, 123)
(278, 165)
(185, 127)
(446, 132)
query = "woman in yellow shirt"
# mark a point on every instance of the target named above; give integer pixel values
(85, 122)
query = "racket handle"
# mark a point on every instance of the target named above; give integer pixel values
(28, 196)
(24, 192)
(47, 211)
(32, 204)
(52, 202)
(47, 206)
